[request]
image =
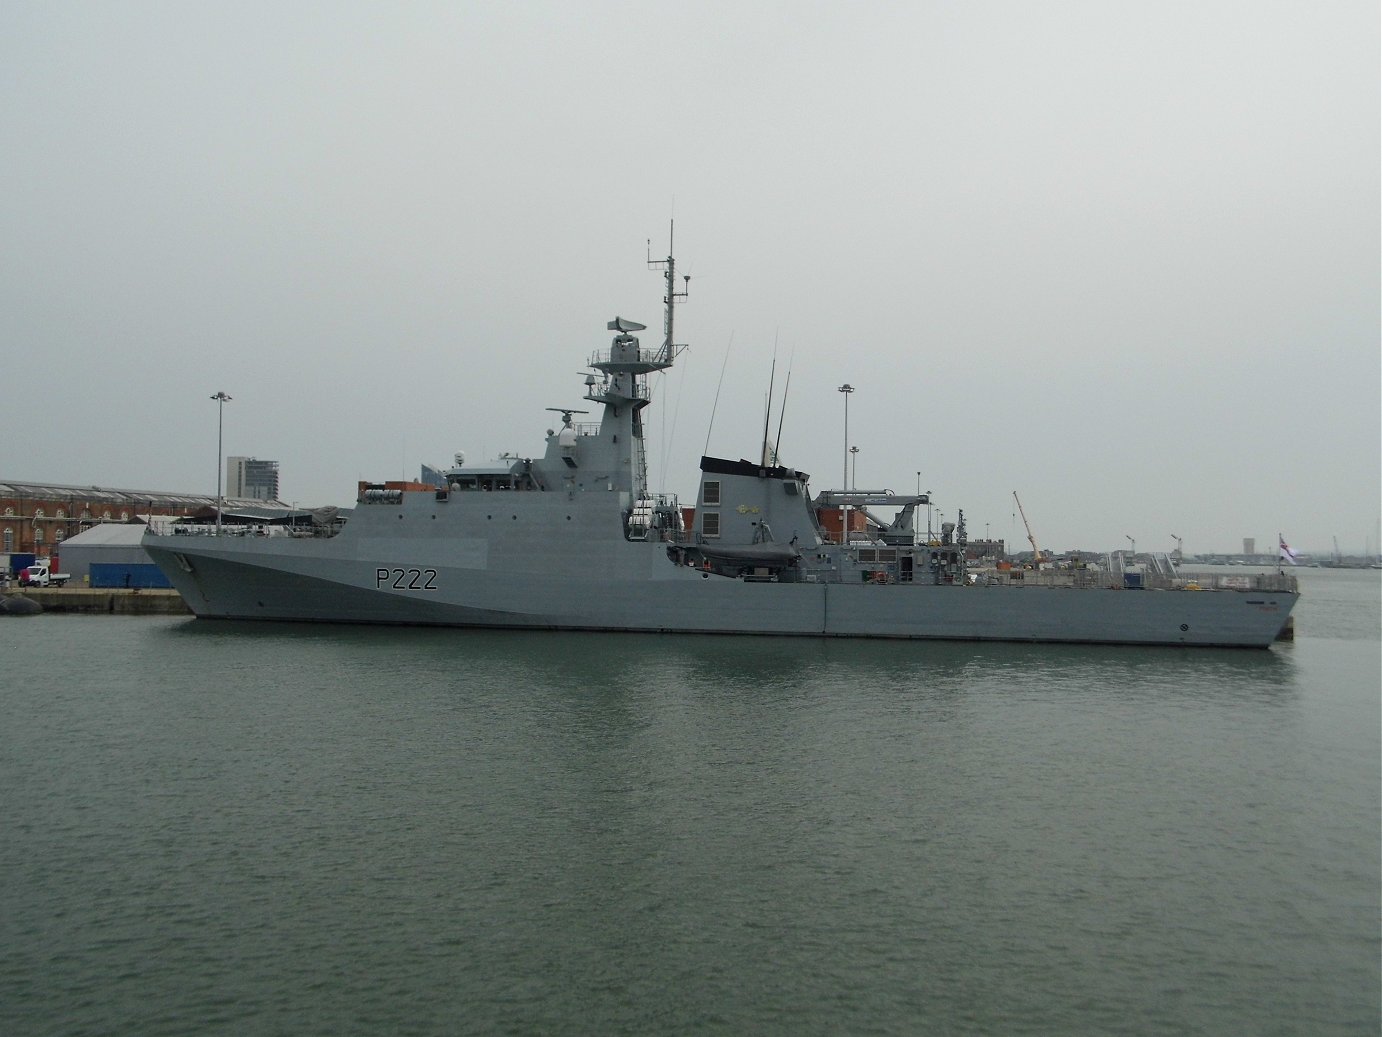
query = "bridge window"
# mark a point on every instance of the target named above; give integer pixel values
(710, 492)
(710, 524)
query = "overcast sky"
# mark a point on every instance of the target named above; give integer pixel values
(1120, 257)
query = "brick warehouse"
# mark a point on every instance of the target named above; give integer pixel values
(35, 518)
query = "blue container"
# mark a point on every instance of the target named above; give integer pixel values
(1132, 581)
(115, 574)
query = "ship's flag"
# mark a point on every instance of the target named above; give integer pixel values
(1286, 554)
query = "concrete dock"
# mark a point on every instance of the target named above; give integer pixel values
(118, 602)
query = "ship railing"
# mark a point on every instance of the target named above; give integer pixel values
(656, 356)
(638, 391)
(1093, 579)
(239, 530)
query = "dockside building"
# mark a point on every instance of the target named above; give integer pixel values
(35, 518)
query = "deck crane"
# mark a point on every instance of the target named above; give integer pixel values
(1036, 552)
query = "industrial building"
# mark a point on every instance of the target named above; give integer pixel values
(35, 518)
(110, 555)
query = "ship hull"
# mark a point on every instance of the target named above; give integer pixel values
(573, 539)
(326, 581)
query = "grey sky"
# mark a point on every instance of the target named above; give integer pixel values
(1120, 257)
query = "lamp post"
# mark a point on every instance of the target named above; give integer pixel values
(221, 400)
(854, 467)
(844, 505)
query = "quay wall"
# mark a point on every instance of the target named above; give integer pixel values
(119, 602)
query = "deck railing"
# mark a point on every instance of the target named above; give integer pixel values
(1183, 581)
(208, 530)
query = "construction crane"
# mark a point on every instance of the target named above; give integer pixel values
(1036, 552)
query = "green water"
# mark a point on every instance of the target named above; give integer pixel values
(272, 829)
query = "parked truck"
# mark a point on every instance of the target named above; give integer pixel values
(40, 574)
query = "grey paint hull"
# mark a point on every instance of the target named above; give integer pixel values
(328, 581)
(572, 540)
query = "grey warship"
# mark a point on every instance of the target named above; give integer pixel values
(574, 540)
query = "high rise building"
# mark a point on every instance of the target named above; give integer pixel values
(249, 478)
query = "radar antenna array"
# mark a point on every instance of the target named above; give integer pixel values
(566, 413)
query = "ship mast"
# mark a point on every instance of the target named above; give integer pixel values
(669, 301)
(626, 366)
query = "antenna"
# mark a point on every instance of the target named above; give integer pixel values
(566, 413)
(768, 411)
(777, 445)
(718, 386)
(669, 346)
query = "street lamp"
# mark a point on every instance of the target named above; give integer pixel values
(221, 400)
(854, 468)
(844, 505)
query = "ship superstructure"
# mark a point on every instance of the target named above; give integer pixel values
(573, 539)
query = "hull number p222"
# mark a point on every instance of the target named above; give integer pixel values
(406, 579)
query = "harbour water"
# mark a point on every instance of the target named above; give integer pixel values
(219, 828)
